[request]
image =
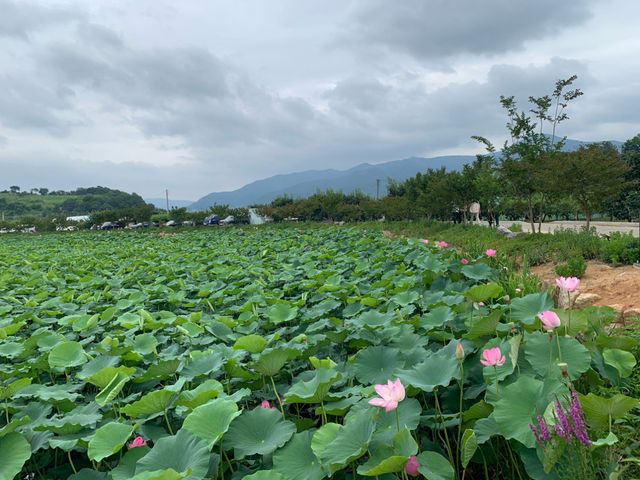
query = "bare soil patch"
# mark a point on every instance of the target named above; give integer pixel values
(618, 287)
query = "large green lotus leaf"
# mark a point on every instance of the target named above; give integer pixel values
(14, 452)
(434, 466)
(84, 416)
(437, 370)
(281, 312)
(113, 388)
(108, 439)
(484, 325)
(436, 318)
(408, 411)
(126, 468)
(152, 402)
(261, 431)
(350, 442)
(377, 364)
(430, 263)
(144, 344)
(478, 271)
(404, 444)
(181, 452)
(622, 361)
(599, 410)
(314, 390)
(252, 343)
(103, 377)
(574, 354)
(265, 475)
(524, 309)
(516, 408)
(405, 298)
(615, 341)
(296, 460)
(271, 361)
(58, 392)
(533, 465)
(483, 292)
(89, 474)
(14, 387)
(159, 371)
(374, 319)
(383, 460)
(323, 437)
(211, 420)
(321, 309)
(199, 395)
(204, 365)
(66, 355)
(13, 424)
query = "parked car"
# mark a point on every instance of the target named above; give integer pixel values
(170, 223)
(211, 220)
(227, 220)
(107, 226)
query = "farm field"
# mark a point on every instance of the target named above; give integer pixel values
(254, 353)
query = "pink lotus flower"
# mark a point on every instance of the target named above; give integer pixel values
(411, 467)
(442, 243)
(265, 404)
(569, 284)
(492, 356)
(425, 241)
(490, 252)
(391, 393)
(137, 442)
(464, 261)
(549, 320)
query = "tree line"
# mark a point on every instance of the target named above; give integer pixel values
(531, 178)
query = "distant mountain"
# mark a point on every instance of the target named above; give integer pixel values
(162, 202)
(363, 177)
(303, 184)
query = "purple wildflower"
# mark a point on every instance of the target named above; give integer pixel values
(541, 432)
(545, 434)
(579, 426)
(562, 425)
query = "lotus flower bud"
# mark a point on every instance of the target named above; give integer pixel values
(459, 351)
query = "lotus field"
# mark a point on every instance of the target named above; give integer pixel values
(275, 354)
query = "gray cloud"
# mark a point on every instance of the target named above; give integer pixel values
(20, 18)
(437, 30)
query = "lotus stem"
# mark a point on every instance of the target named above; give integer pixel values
(397, 421)
(444, 427)
(73, 467)
(168, 424)
(273, 384)
(559, 351)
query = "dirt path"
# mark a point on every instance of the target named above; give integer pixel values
(618, 287)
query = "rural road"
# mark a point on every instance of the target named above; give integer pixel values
(601, 227)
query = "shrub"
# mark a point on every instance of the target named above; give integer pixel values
(515, 227)
(575, 267)
(621, 249)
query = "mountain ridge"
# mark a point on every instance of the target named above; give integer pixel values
(362, 176)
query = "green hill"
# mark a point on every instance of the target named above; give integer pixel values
(83, 201)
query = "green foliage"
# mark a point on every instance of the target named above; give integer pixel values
(621, 249)
(159, 337)
(575, 267)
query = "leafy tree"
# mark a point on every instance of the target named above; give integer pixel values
(526, 161)
(591, 175)
(43, 191)
(14, 188)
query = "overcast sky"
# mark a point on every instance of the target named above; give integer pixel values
(199, 96)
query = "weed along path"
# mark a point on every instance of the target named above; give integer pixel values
(617, 287)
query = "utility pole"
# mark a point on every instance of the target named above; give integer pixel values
(167, 194)
(377, 188)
